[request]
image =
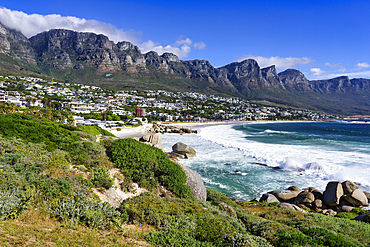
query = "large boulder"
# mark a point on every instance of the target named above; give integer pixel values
(317, 205)
(348, 187)
(367, 194)
(306, 198)
(357, 198)
(196, 184)
(154, 140)
(294, 188)
(345, 208)
(316, 193)
(329, 212)
(333, 193)
(363, 217)
(285, 195)
(183, 149)
(268, 198)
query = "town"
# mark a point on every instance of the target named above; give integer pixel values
(106, 108)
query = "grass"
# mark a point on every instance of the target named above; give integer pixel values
(34, 228)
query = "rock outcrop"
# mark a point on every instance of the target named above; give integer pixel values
(166, 128)
(183, 151)
(115, 195)
(337, 197)
(154, 140)
(267, 197)
(333, 193)
(196, 184)
(285, 195)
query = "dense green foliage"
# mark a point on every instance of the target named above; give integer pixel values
(174, 238)
(148, 166)
(38, 130)
(34, 170)
(95, 130)
(80, 209)
(353, 214)
(196, 219)
(100, 177)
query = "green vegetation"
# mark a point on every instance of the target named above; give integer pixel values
(148, 166)
(48, 171)
(95, 130)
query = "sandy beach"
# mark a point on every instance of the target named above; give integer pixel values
(129, 132)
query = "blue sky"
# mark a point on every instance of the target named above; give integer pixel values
(323, 39)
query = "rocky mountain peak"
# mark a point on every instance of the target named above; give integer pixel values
(293, 79)
(127, 46)
(270, 75)
(170, 57)
(16, 45)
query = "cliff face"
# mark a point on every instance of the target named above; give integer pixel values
(68, 54)
(16, 45)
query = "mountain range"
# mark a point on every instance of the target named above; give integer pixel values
(93, 59)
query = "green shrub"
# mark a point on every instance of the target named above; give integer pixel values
(81, 209)
(148, 208)
(347, 215)
(211, 228)
(11, 205)
(54, 188)
(95, 130)
(174, 238)
(290, 237)
(350, 228)
(218, 197)
(241, 240)
(101, 178)
(324, 237)
(353, 214)
(148, 166)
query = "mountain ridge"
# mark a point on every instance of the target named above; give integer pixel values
(93, 59)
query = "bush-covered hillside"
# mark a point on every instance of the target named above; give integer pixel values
(48, 171)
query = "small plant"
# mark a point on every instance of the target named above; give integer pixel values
(81, 209)
(175, 238)
(101, 178)
(241, 240)
(11, 205)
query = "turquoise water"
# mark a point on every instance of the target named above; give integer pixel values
(276, 155)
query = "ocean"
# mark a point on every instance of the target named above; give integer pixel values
(275, 155)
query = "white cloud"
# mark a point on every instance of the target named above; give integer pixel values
(199, 45)
(181, 51)
(363, 65)
(317, 72)
(334, 65)
(186, 41)
(280, 62)
(32, 24)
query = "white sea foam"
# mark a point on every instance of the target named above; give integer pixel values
(319, 162)
(209, 181)
(222, 149)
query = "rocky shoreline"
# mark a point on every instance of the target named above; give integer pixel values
(338, 197)
(165, 128)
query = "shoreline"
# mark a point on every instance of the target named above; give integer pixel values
(130, 132)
